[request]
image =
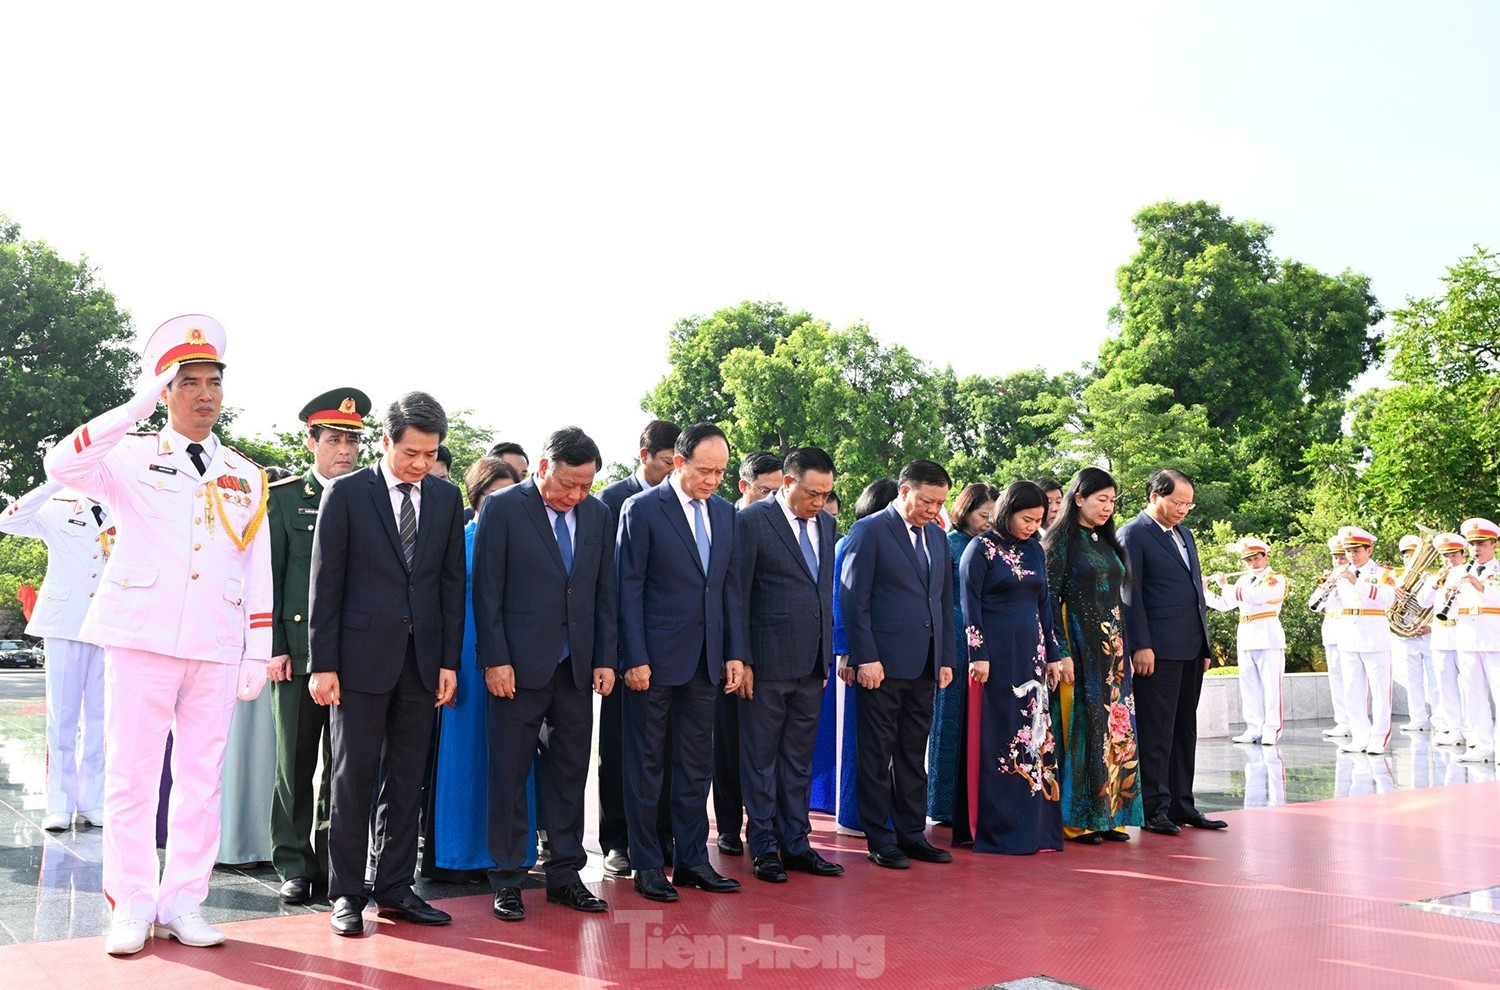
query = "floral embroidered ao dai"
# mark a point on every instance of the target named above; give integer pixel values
(1007, 789)
(1100, 767)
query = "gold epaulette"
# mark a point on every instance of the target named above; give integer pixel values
(248, 459)
(286, 481)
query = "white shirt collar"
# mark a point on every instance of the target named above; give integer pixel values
(179, 442)
(389, 476)
(682, 496)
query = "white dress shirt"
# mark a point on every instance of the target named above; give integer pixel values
(795, 522)
(391, 481)
(687, 509)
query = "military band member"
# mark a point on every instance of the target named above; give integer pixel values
(1260, 642)
(184, 616)
(1414, 653)
(1477, 609)
(1365, 591)
(1325, 601)
(78, 532)
(1447, 717)
(299, 807)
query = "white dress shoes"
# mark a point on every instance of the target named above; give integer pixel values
(94, 817)
(1246, 737)
(190, 929)
(1352, 746)
(1416, 725)
(127, 936)
(1337, 732)
(1476, 754)
(1450, 738)
(57, 822)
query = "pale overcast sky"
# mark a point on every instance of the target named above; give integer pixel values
(508, 205)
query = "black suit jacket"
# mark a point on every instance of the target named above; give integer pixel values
(1164, 606)
(789, 609)
(889, 613)
(527, 609)
(365, 604)
(614, 496)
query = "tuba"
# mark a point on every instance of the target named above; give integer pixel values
(1405, 617)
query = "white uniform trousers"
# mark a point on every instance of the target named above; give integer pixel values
(1261, 672)
(1478, 681)
(1447, 709)
(1416, 667)
(1265, 778)
(1367, 696)
(145, 695)
(1337, 689)
(75, 727)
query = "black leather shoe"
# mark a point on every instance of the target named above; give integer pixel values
(508, 906)
(348, 916)
(652, 884)
(1199, 820)
(1114, 835)
(616, 864)
(768, 868)
(1088, 839)
(1161, 825)
(890, 857)
(926, 852)
(811, 862)
(576, 896)
(730, 845)
(705, 877)
(412, 908)
(297, 890)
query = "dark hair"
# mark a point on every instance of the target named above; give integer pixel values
(418, 411)
(834, 498)
(1017, 497)
(1164, 481)
(805, 459)
(445, 455)
(754, 465)
(1065, 527)
(689, 439)
(276, 472)
(924, 473)
(1047, 484)
(507, 447)
(659, 435)
(571, 446)
(877, 495)
(968, 502)
(485, 472)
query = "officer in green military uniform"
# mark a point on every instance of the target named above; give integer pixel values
(299, 808)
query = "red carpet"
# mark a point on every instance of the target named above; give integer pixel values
(1306, 895)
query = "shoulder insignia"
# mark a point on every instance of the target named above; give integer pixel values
(1271, 581)
(290, 479)
(248, 460)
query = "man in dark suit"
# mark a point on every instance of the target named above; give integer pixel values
(1166, 632)
(545, 625)
(896, 596)
(786, 554)
(760, 477)
(657, 442)
(299, 805)
(681, 634)
(386, 630)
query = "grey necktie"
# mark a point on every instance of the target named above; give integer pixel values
(408, 524)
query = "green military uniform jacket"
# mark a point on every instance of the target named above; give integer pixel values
(292, 513)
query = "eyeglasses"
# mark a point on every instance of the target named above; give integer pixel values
(1184, 506)
(762, 489)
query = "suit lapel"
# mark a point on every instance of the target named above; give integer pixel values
(537, 510)
(677, 519)
(779, 523)
(381, 496)
(427, 521)
(720, 525)
(1165, 539)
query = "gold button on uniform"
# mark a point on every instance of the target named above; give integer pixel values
(296, 618)
(198, 521)
(195, 577)
(197, 546)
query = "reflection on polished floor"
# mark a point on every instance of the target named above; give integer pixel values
(1387, 887)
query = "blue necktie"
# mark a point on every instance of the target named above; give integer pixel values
(807, 548)
(921, 548)
(701, 531)
(564, 542)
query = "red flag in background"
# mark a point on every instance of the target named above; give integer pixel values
(27, 594)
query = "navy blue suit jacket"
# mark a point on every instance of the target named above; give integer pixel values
(790, 609)
(527, 609)
(1164, 607)
(670, 610)
(615, 494)
(364, 603)
(890, 616)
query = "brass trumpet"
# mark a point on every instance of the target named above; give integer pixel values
(1231, 576)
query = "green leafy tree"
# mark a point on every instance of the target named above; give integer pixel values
(65, 353)
(990, 425)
